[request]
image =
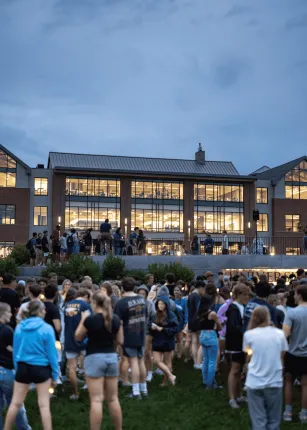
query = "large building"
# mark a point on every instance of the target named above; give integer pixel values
(170, 199)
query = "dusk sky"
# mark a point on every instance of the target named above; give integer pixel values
(154, 78)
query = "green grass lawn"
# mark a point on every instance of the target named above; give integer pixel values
(187, 406)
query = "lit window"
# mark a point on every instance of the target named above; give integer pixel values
(292, 223)
(84, 187)
(293, 251)
(6, 248)
(83, 215)
(263, 223)
(157, 218)
(218, 192)
(41, 186)
(6, 162)
(157, 190)
(40, 215)
(217, 222)
(296, 182)
(7, 214)
(262, 195)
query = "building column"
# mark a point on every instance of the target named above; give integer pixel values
(58, 201)
(249, 206)
(125, 205)
(188, 212)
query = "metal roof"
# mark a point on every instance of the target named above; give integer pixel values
(278, 172)
(110, 163)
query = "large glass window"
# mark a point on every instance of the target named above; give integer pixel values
(40, 186)
(218, 192)
(83, 187)
(40, 215)
(157, 218)
(7, 214)
(83, 215)
(292, 222)
(262, 195)
(296, 182)
(209, 221)
(263, 223)
(7, 170)
(157, 190)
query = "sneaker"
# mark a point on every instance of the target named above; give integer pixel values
(84, 387)
(149, 378)
(198, 366)
(303, 417)
(241, 399)
(233, 404)
(287, 416)
(296, 383)
(134, 396)
(144, 395)
(74, 397)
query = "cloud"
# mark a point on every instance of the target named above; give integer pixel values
(297, 22)
(153, 78)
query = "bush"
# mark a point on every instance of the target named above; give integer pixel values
(179, 270)
(137, 274)
(74, 269)
(113, 267)
(20, 254)
(8, 265)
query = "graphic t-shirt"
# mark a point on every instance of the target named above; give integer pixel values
(132, 311)
(72, 318)
(101, 340)
(52, 313)
(11, 297)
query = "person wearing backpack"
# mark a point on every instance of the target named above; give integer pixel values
(31, 248)
(195, 246)
(70, 243)
(209, 244)
(45, 245)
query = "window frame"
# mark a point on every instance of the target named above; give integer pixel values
(40, 178)
(267, 195)
(5, 205)
(40, 225)
(292, 230)
(262, 230)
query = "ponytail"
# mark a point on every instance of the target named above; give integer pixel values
(104, 303)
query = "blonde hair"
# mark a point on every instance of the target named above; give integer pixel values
(103, 302)
(4, 307)
(34, 309)
(260, 318)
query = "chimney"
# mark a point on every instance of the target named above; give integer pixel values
(200, 155)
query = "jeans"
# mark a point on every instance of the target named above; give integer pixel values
(118, 250)
(265, 408)
(6, 393)
(209, 343)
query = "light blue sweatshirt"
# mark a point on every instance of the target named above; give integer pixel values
(34, 343)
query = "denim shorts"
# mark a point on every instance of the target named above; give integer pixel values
(134, 352)
(72, 355)
(101, 365)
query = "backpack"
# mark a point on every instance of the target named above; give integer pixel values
(70, 241)
(29, 245)
(194, 246)
(179, 314)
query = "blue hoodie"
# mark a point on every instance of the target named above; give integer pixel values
(164, 340)
(34, 343)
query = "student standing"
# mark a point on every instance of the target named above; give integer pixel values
(295, 327)
(193, 327)
(7, 374)
(234, 342)
(131, 309)
(266, 345)
(36, 361)
(10, 296)
(104, 332)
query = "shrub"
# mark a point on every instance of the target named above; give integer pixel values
(159, 270)
(137, 274)
(113, 267)
(74, 269)
(8, 265)
(20, 254)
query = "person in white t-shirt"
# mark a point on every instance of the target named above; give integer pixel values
(266, 345)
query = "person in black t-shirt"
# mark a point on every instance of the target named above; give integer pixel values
(105, 234)
(170, 283)
(104, 332)
(7, 367)
(10, 296)
(52, 316)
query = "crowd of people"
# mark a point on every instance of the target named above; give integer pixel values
(117, 333)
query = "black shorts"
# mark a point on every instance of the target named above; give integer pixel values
(56, 249)
(296, 366)
(28, 374)
(240, 358)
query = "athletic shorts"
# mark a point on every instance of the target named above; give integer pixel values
(239, 357)
(56, 249)
(134, 352)
(71, 355)
(296, 366)
(29, 374)
(101, 365)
